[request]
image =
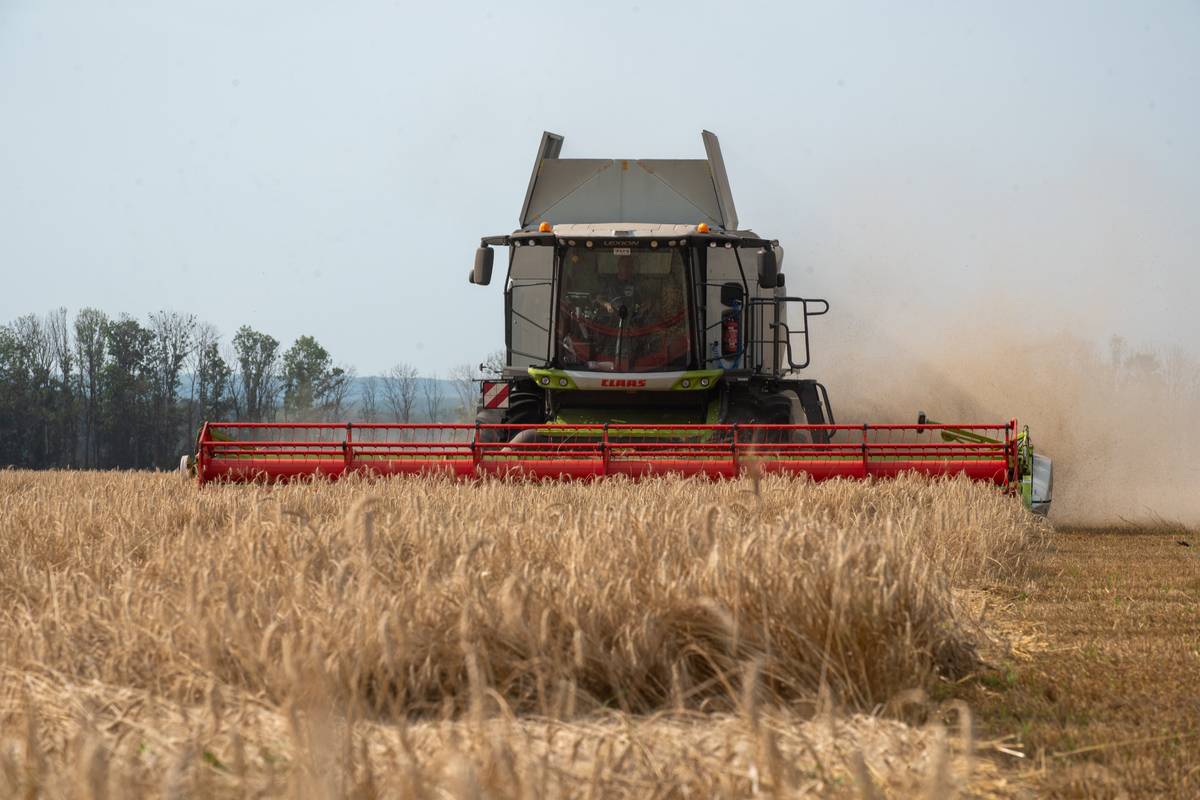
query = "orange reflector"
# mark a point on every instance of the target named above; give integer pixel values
(702, 227)
(544, 228)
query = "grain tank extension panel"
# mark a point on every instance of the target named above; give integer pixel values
(655, 191)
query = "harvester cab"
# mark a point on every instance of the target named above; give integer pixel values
(633, 297)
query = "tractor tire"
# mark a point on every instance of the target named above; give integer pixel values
(525, 407)
(770, 409)
(775, 409)
(490, 416)
(747, 409)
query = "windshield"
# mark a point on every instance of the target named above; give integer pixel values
(623, 310)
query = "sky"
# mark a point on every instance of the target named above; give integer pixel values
(328, 169)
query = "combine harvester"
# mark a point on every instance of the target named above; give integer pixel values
(645, 334)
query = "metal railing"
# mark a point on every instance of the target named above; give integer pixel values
(250, 451)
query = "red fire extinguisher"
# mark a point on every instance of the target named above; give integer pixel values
(730, 335)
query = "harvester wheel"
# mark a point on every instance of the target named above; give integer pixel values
(761, 410)
(775, 410)
(524, 408)
(489, 416)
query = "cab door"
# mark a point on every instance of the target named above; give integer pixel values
(529, 309)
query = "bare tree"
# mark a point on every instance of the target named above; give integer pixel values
(38, 361)
(207, 339)
(338, 389)
(1116, 350)
(1181, 374)
(368, 406)
(31, 331)
(493, 364)
(173, 336)
(90, 347)
(462, 378)
(432, 395)
(58, 331)
(400, 391)
(237, 397)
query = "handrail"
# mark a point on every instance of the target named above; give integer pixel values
(589, 450)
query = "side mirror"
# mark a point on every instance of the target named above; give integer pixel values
(481, 275)
(731, 293)
(768, 269)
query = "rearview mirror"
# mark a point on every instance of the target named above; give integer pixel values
(768, 269)
(731, 293)
(482, 274)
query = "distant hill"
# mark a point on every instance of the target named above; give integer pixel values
(448, 399)
(444, 389)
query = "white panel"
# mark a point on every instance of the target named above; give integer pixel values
(692, 181)
(664, 191)
(597, 200)
(722, 268)
(720, 177)
(557, 179)
(549, 148)
(646, 196)
(529, 288)
(597, 191)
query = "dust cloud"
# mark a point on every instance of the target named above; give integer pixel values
(1121, 420)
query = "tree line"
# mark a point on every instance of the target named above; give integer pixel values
(96, 391)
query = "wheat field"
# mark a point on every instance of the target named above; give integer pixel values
(423, 638)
